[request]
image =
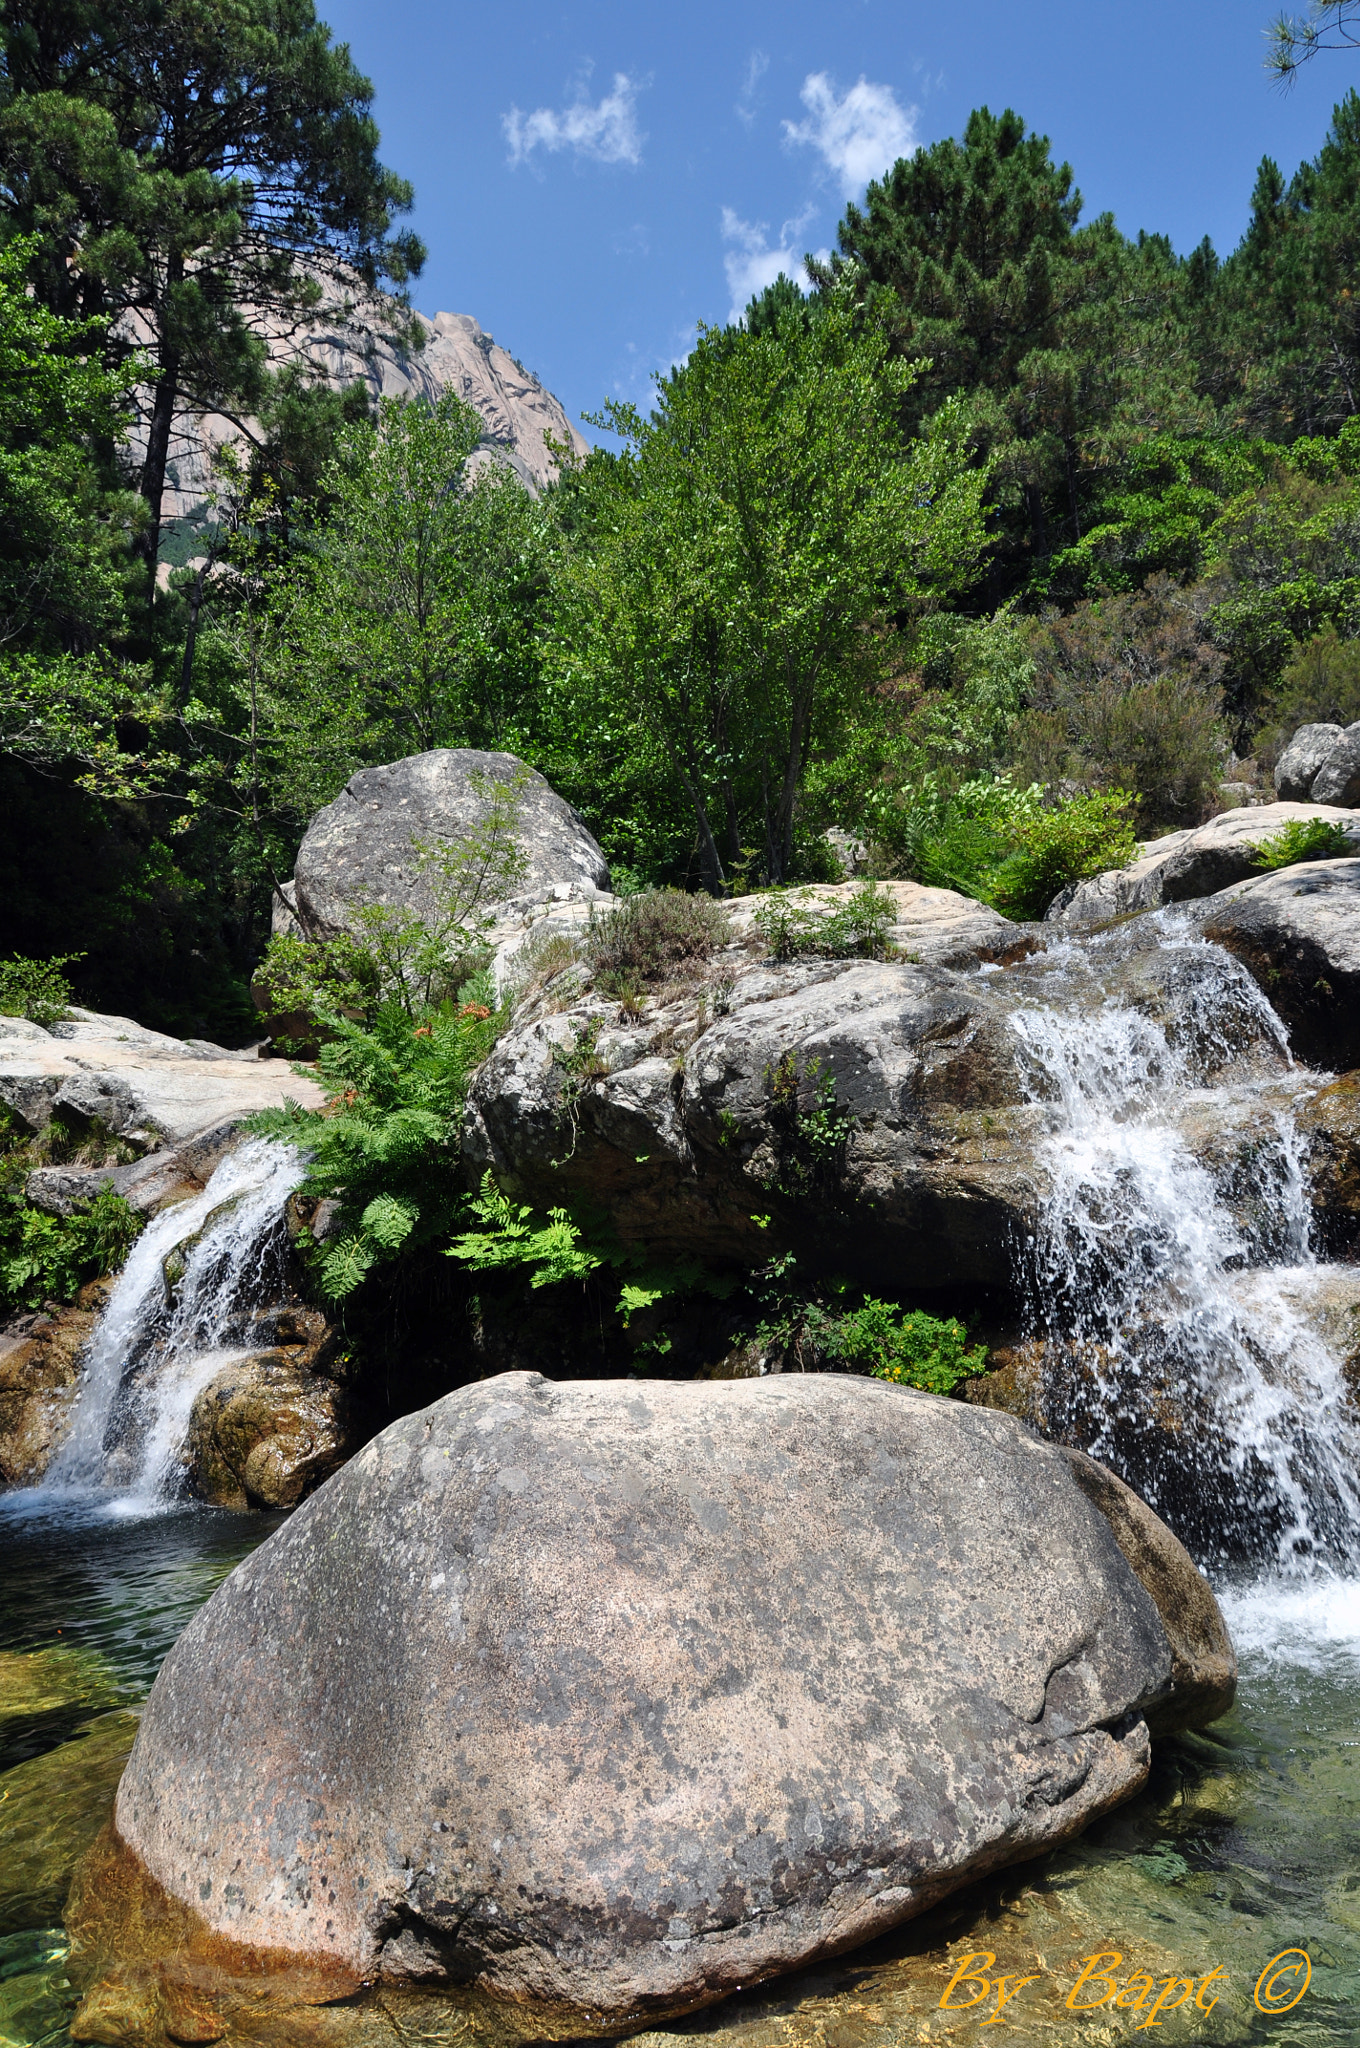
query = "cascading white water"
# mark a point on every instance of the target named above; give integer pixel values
(1173, 1253)
(175, 1317)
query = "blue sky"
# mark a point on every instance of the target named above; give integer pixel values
(592, 179)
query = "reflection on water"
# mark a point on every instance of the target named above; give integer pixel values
(1245, 1842)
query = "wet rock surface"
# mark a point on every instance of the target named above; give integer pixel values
(271, 1426)
(40, 1364)
(608, 1699)
(1198, 862)
(1297, 931)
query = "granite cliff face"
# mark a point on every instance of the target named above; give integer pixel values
(458, 356)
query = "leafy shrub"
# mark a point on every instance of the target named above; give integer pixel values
(1052, 848)
(36, 989)
(650, 936)
(1127, 693)
(49, 1258)
(791, 922)
(953, 839)
(1321, 685)
(910, 1347)
(386, 1146)
(1303, 839)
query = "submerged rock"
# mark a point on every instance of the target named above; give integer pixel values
(609, 1699)
(51, 1810)
(45, 1694)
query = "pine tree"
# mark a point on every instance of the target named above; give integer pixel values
(191, 169)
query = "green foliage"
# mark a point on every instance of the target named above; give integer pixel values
(652, 936)
(49, 1258)
(1320, 686)
(408, 622)
(187, 168)
(793, 922)
(1126, 694)
(1303, 839)
(955, 838)
(810, 1133)
(36, 989)
(911, 1348)
(386, 1146)
(722, 573)
(571, 1245)
(1052, 848)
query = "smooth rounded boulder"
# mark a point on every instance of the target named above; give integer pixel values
(608, 1698)
(365, 847)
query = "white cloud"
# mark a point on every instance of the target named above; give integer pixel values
(606, 131)
(752, 262)
(756, 67)
(859, 134)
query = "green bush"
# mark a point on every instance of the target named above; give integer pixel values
(651, 936)
(36, 989)
(792, 922)
(1321, 685)
(49, 1258)
(571, 1245)
(909, 1347)
(1052, 848)
(1303, 839)
(386, 1146)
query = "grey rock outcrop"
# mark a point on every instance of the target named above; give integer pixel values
(1197, 862)
(361, 344)
(152, 1091)
(362, 848)
(608, 1699)
(1301, 759)
(876, 1111)
(1337, 781)
(1297, 931)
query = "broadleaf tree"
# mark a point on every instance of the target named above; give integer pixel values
(733, 586)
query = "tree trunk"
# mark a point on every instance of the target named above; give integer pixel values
(157, 457)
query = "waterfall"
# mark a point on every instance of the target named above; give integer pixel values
(1171, 1266)
(177, 1314)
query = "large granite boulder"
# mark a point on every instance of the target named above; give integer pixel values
(1198, 862)
(1338, 779)
(362, 848)
(1297, 931)
(608, 1699)
(1301, 759)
